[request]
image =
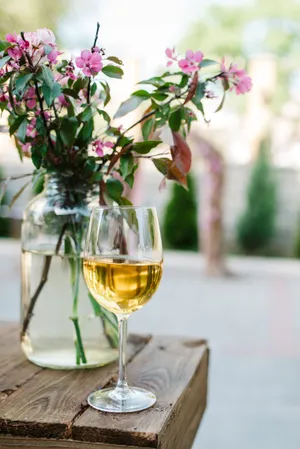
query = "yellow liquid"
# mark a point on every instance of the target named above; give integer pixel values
(120, 285)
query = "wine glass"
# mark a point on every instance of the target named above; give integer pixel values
(122, 269)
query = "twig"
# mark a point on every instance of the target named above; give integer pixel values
(88, 99)
(14, 178)
(44, 278)
(139, 156)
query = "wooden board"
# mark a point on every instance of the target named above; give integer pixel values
(47, 404)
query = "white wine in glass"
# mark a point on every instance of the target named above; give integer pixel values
(122, 269)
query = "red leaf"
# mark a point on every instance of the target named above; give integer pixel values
(192, 89)
(181, 154)
(175, 174)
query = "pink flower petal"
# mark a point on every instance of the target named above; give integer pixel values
(87, 71)
(169, 53)
(11, 38)
(85, 55)
(198, 56)
(109, 144)
(99, 151)
(189, 54)
(79, 62)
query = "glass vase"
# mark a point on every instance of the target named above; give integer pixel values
(62, 326)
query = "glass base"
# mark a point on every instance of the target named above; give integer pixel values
(63, 356)
(108, 400)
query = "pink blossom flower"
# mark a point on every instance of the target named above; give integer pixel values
(52, 56)
(172, 88)
(70, 71)
(171, 54)
(26, 147)
(239, 79)
(63, 102)
(3, 97)
(90, 63)
(31, 129)
(46, 36)
(12, 38)
(99, 146)
(30, 98)
(96, 50)
(15, 53)
(191, 62)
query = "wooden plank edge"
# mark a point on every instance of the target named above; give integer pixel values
(192, 415)
(11, 442)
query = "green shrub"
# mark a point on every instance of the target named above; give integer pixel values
(257, 223)
(180, 219)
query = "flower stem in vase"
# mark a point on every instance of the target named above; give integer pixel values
(75, 263)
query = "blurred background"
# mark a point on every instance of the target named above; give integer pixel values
(232, 241)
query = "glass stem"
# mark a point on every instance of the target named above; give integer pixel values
(122, 388)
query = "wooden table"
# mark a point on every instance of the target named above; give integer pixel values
(41, 408)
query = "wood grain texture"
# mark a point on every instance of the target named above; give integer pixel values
(15, 370)
(47, 409)
(48, 404)
(172, 368)
(30, 443)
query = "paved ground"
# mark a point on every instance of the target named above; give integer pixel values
(253, 325)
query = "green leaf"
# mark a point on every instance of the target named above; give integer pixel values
(141, 93)
(124, 201)
(4, 45)
(147, 128)
(85, 133)
(114, 188)
(184, 80)
(50, 93)
(155, 81)
(145, 147)
(5, 77)
(70, 93)
(159, 96)
(130, 180)
(115, 59)
(199, 106)
(86, 114)
(112, 71)
(47, 76)
(36, 157)
(207, 63)
(97, 176)
(162, 164)
(22, 81)
(3, 61)
(129, 105)
(126, 165)
(15, 123)
(104, 114)
(80, 84)
(68, 130)
(40, 127)
(107, 97)
(175, 120)
(93, 89)
(199, 94)
(21, 134)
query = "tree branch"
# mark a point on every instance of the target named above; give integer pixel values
(88, 99)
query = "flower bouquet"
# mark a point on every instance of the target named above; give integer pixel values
(57, 117)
